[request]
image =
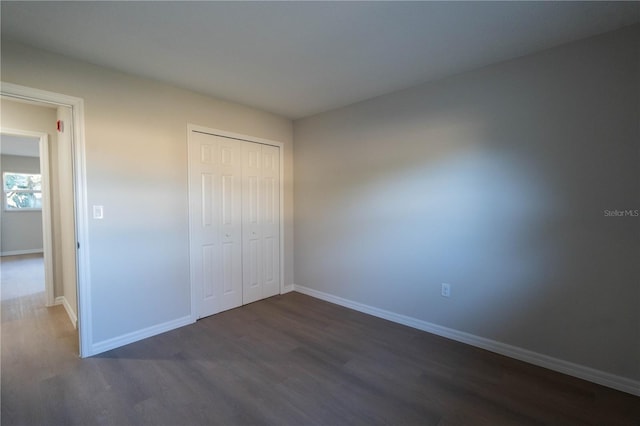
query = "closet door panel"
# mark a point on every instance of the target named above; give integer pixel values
(215, 168)
(270, 220)
(205, 250)
(229, 203)
(252, 250)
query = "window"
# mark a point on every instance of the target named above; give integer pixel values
(22, 191)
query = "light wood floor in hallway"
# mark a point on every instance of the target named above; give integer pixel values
(287, 360)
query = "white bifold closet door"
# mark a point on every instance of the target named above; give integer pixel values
(260, 221)
(234, 195)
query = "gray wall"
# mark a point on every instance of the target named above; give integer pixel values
(496, 182)
(136, 164)
(20, 231)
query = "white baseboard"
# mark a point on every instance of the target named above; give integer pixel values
(19, 252)
(287, 289)
(61, 300)
(135, 336)
(587, 373)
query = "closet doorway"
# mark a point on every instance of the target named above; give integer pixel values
(235, 220)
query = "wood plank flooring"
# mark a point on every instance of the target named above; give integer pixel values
(287, 360)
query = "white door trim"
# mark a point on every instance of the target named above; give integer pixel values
(80, 198)
(47, 246)
(217, 132)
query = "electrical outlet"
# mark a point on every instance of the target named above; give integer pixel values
(445, 290)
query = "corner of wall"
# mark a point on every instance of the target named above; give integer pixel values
(61, 300)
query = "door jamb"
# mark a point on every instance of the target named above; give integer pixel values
(80, 199)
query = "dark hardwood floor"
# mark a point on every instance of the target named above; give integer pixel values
(287, 360)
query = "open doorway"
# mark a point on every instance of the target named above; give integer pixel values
(25, 224)
(73, 124)
(38, 242)
(25, 209)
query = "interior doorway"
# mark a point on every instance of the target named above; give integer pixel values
(38, 233)
(69, 239)
(25, 209)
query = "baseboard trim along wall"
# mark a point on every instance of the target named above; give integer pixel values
(586, 373)
(61, 300)
(287, 289)
(135, 336)
(19, 252)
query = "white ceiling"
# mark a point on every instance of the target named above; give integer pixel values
(300, 58)
(19, 145)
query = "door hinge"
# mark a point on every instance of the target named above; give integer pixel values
(78, 246)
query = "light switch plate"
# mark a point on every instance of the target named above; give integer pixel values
(98, 212)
